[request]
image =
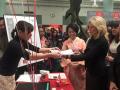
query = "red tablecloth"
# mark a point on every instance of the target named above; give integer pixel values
(60, 84)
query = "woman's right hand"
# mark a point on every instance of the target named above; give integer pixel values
(64, 62)
(55, 55)
(113, 86)
(109, 58)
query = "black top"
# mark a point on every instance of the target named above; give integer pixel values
(13, 54)
(117, 56)
(94, 55)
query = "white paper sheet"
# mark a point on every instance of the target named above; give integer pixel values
(28, 78)
(64, 52)
(21, 63)
(67, 52)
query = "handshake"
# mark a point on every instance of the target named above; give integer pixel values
(65, 55)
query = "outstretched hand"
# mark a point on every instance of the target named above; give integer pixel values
(76, 51)
(55, 48)
(55, 55)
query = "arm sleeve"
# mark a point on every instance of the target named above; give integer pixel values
(32, 47)
(92, 52)
(117, 56)
(18, 50)
(26, 55)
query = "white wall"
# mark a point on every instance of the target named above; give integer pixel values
(50, 14)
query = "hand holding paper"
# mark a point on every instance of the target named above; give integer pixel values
(64, 52)
(67, 52)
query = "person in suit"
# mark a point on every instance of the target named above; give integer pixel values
(95, 54)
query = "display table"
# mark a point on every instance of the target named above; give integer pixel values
(60, 85)
(54, 81)
(59, 81)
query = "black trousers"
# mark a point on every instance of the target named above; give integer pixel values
(116, 73)
(97, 82)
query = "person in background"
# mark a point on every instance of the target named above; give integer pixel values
(54, 41)
(3, 36)
(48, 32)
(73, 42)
(17, 49)
(45, 43)
(77, 44)
(42, 37)
(95, 54)
(60, 37)
(114, 55)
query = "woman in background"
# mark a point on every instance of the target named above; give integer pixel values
(114, 55)
(17, 49)
(77, 44)
(43, 39)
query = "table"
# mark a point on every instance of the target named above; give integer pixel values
(60, 85)
(57, 81)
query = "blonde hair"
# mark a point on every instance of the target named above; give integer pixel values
(100, 24)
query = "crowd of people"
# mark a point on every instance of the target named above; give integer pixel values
(95, 64)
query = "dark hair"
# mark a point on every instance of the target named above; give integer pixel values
(73, 26)
(22, 26)
(53, 31)
(1, 18)
(113, 24)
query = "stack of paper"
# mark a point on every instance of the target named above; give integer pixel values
(67, 52)
(57, 75)
(64, 52)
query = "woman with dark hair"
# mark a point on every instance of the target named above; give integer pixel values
(113, 55)
(17, 49)
(78, 44)
(54, 65)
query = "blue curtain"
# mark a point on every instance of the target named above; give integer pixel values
(108, 5)
(2, 7)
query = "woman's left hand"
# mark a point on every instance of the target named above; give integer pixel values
(64, 62)
(55, 48)
(77, 50)
(55, 55)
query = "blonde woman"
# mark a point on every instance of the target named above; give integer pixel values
(94, 55)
